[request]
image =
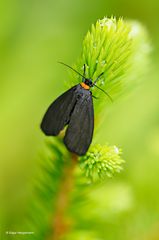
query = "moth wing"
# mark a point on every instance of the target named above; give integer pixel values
(79, 133)
(58, 113)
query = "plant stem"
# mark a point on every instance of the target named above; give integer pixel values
(60, 223)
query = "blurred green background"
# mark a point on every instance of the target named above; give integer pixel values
(34, 35)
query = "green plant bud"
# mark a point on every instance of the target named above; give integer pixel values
(101, 161)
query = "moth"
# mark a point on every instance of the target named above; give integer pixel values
(75, 109)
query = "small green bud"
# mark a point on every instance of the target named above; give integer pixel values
(103, 161)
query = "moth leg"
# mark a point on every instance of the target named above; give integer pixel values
(95, 97)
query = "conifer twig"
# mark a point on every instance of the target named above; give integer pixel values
(118, 49)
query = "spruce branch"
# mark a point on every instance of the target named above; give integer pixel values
(114, 47)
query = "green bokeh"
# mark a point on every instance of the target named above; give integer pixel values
(34, 36)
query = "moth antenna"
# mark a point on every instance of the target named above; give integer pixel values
(98, 77)
(72, 69)
(104, 92)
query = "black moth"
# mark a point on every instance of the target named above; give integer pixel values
(75, 109)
